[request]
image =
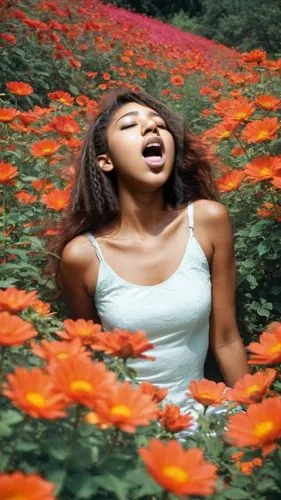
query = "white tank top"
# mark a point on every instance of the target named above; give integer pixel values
(174, 314)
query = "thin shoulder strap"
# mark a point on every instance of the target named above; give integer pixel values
(190, 216)
(96, 246)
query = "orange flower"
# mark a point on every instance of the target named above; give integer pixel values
(172, 420)
(254, 56)
(19, 88)
(42, 185)
(221, 131)
(262, 168)
(156, 393)
(276, 181)
(57, 199)
(93, 419)
(230, 181)
(44, 148)
(14, 330)
(123, 344)
(183, 472)
(261, 130)
(81, 380)
(126, 407)
(58, 349)
(268, 350)
(14, 300)
(42, 308)
(19, 486)
(26, 198)
(65, 125)
(7, 172)
(207, 392)
(267, 101)
(8, 114)
(86, 330)
(34, 393)
(177, 80)
(252, 388)
(246, 467)
(61, 96)
(240, 110)
(259, 427)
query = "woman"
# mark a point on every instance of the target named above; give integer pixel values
(147, 247)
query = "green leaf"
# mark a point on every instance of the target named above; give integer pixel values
(82, 485)
(74, 90)
(25, 446)
(57, 477)
(236, 494)
(262, 248)
(252, 281)
(58, 449)
(5, 429)
(8, 282)
(112, 483)
(11, 417)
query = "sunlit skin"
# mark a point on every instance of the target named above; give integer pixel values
(155, 236)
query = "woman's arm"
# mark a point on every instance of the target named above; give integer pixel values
(225, 339)
(76, 259)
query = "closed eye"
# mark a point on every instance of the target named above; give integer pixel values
(133, 124)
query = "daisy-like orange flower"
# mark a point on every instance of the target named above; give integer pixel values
(65, 125)
(61, 97)
(42, 308)
(42, 185)
(268, 102)
(86, 330)
(246, 467)
(33, 392)
(155, 392)
(7, 172)
(180, 471)
(126, 407)
(124, 344)
(14, 330)
(221, 131)
(240, 110)
(177, 80)
(56, 199)
(255, 56)
(81, 380)
(259, 427)
(268, 350)
(14, 300)
(44, 148)
(252, 388)
(25, 197)
(58, 349)
(8, 114)
(173, 420)
(276, 181)
(262, 168)
(261, 130)
(207, 392)
(19, 88)
(230, 181)
(19, 486)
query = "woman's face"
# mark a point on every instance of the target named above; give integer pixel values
(141, 149)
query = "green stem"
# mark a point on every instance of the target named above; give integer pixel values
(241, 145)
(274, 202)
(2, 356)
(16, 437)
(75, 426)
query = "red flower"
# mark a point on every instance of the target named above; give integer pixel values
(172, 420)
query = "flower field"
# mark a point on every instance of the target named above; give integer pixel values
(71, 425)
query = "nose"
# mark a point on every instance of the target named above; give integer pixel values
(149, 125)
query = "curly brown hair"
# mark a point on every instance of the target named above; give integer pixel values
(94, 202)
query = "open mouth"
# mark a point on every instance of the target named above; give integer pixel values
(153, 155)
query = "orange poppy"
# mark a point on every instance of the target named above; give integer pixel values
(268, 102)
(34, 393)
(155, 392)
(61, 96)
(262, 168)
(268, 350)
(25, 197)
(252, 388)
(86, 330)
(58, 349)
(19, 88)
(81, 380)
(7, 172)
(56, 199)
(172, 420)
(259, 426)
(124, 344)
(126, 407)
(177, 80)
(14, 300)
(44, 148)
(14, 330)
(17, 485)
(255, 56)
(230, 181)
(65, 125)
(207, 392)
(8, 114)
(180, 471)
(261, 130)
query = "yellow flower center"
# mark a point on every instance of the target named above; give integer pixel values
(81, 385)
(264, 428)
(241, 115)
(176, 473)
(266, 171)
(231, 184)
(83, 332)
(122, 410)
(252, 389)
(263, 134)
(47, 150)
(275, 348)
(225, 135)
(62, 355)
(36, 399)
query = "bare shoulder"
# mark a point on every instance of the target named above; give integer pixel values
(209, 212)
(78, 252)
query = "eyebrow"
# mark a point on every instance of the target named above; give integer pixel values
(135, 113)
